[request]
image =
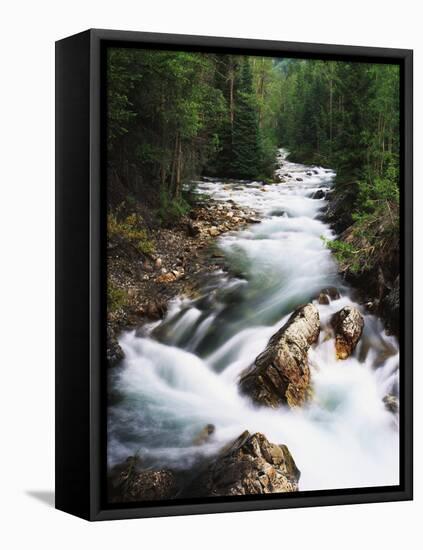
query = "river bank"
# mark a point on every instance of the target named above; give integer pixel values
(141, 285)
(368, 255)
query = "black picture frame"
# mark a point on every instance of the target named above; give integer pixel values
(80, 274)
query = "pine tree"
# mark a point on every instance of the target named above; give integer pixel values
(246, 133)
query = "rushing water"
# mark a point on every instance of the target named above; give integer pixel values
(182, 373)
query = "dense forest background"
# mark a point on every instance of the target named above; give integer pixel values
(174, 116)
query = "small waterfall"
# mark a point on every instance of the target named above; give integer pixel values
(184, 373)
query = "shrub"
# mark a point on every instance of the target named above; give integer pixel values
(116, 297)
(172, 210)
(130, 230)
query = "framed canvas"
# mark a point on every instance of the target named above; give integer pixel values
(233, 274)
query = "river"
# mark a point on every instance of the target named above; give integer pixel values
(181, 373)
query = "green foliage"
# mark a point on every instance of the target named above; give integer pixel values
(379, 191)
(345, 253)
(173, 115)
(373, 237)
(116, 297)
(341, 114)
(163, 114)
(246, 137)
(121, 82)
(130, 229)
(172, 210)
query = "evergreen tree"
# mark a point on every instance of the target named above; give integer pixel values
(246, 133)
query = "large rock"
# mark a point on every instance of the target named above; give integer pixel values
(332, 292)
(114, 352)
(129, 483)
(192, 229)
(281, 373)
(204, 435)
(390, 308)
(323, 299)
(391, 403)
(251, 465)
(339, 211)
(348, 325)
(319, 194)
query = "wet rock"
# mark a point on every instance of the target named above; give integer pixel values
(251, 465)
(155, 310)
(214, 232)
(281, 375)
(391, 403)
(323, 299)
(348, 325)
(192, 229)
(315, 172)
(252, 220)
(114, 352)
(332, 292)
(390, 307)
(204, 435)
(129, 483)
(319, 194)
(299, 179)
(309, 173)
(371, 306)
(339, 212)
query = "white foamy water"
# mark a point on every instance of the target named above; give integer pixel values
(183, 374)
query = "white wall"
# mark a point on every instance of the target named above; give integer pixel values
(29, 29)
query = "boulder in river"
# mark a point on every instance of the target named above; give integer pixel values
(114, 352)
(326, 295)
(281, 375)
(204, 435)
(323, 299)
(332, 292)
(156, 309)
(390, 307)
(250, 465)
(319, 194)
(129, 483)
(391, 403)
(348, 325)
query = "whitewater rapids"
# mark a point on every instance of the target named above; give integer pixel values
(183, 372)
